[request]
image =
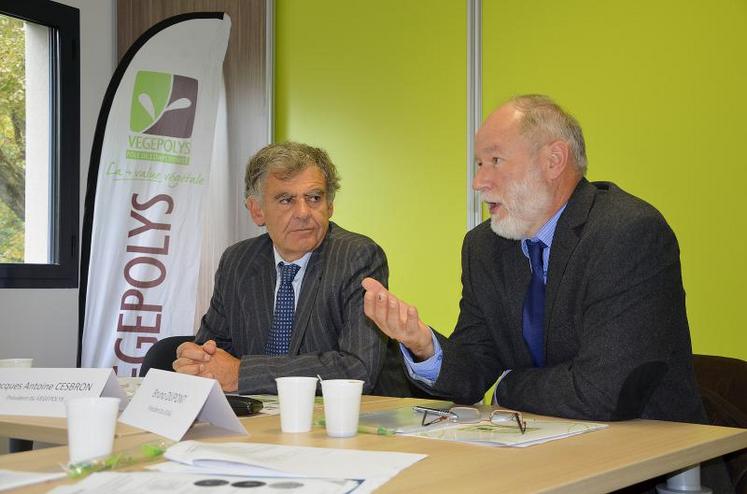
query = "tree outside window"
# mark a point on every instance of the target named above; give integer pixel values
(39, 144)
(12, 139)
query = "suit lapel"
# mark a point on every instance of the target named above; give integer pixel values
(306, 301)
(518, 273)
(508, 277)
(309, 290)
(564, 242)
(259, 306)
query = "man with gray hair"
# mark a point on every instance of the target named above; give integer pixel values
(290, 302)
(572, 296)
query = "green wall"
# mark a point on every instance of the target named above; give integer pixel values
(659, 88)
(382, 87)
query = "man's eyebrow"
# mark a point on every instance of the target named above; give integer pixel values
(318, 191)
(284, 195)
(493, 148)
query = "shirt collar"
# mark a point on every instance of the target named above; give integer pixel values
(302, 262)
(546, 232)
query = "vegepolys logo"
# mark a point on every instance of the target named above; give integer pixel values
(163, 104)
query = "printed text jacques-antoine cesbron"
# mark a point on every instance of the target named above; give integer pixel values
(44, 387)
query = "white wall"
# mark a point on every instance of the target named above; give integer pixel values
(43, 324)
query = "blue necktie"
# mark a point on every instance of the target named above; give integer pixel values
(278, 341)
(533, 318)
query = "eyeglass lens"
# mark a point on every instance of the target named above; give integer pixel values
(499, 417)
(465, 415)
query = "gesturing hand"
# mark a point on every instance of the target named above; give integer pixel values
(397, 319)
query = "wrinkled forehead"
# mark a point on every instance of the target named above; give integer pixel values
(288, 170)
(308, 179)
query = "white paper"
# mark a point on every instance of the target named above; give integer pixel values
(42, 392)
(158, 483)
(10, 479)
(217, 468)
(537, 432)
(167, 403)
(373, 467)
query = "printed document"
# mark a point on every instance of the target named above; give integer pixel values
(537, 432)
(372, 468)
(158, 483)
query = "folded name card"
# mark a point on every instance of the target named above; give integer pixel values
(43, 392)
(167, 403)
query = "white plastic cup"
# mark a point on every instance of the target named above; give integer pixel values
(342, 404)
(16, 362)
(296, 397)
(90, 427)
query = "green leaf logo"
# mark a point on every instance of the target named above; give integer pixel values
(163, 104)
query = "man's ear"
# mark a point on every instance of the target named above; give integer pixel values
(255, 210)
(557, 155)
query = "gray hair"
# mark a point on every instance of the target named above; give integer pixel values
(543, 120)
(285, 160)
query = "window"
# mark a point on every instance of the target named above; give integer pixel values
(39, 144)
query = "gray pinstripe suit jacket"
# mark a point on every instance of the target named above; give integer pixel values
(331, 335)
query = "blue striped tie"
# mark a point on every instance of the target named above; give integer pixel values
(278, 341)
(533, 319)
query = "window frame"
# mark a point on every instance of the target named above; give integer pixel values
(62, 271)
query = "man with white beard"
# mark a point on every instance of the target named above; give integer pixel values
(572, 296)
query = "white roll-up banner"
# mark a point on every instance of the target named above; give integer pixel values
(147, 180)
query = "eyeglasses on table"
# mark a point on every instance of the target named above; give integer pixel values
(469, 415)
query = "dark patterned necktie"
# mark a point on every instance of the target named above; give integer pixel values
(278, 341)
(533, 317)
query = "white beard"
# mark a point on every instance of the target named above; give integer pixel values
(524, 202)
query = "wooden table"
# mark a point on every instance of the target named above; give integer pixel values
(622, 454)
(53, 430)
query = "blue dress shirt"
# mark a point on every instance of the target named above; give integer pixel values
(427, 371)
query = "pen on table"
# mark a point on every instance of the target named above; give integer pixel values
(373, 429)
(366, 429)
(139, 454)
